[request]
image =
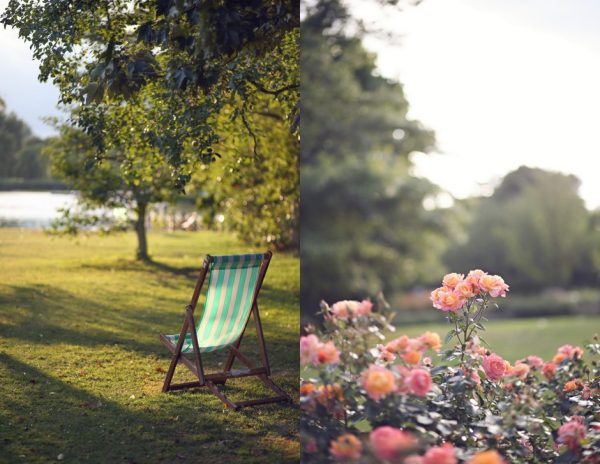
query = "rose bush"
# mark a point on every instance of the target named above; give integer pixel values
(369, 398)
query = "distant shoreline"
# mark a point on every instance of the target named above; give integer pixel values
(34, 185)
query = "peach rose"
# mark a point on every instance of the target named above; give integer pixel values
(328, 393)
(431, 340)
(520, 370)
(445, 454)
(535, 361)
(307, 389)
(326, 353)
(487, 457)
(385, 354)
(572, 433)
(345, 447)
(446, 300)
(559, 357)
(494, 367)
(308, 345)
(378, 381)
(493, 284)
(570, 386)
(473, 279)
(464, 289)
(570, 352)
(412, 357)
(549, 370)
(398, 344)
(451, 280)
(389, 443)
(419, 381)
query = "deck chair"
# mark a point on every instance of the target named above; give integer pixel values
(233, 285)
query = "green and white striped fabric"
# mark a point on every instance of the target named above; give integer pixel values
(231, 284)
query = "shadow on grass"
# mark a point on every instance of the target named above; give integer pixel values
(189, 272)
(43, 417)
(47, 315)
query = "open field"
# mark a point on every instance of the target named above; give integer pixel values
(516, 338)
(81, 365)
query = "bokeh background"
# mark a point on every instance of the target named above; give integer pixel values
(443, 136)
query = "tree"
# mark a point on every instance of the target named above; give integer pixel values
(534, 230)
(131, 172)
(14, 134)
(199, 54)
(255, 180)
(363, 225)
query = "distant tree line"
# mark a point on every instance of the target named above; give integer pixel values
(20, 150)
(364, 226)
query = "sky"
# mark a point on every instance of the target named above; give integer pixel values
(503, 83)
(19, 86)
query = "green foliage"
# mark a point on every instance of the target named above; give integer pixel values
(82, 367)
(534, 229)
(20, 151)
(131, 172)
(363, 225)
(254, 181)
(197, 55)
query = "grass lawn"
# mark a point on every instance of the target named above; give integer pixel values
(516, 338)
(81, 366)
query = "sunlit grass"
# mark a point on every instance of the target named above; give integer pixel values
(516, 338)
(81, 365)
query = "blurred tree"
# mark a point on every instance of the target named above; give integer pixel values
(363, 227)
(534, 230)
(14, 134)
(30, 163)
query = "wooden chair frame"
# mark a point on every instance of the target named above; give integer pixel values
(213, 380)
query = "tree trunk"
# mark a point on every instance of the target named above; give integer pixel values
(140, 230)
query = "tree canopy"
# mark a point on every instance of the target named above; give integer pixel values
(198, 54)
(534, 229)
(363, 227)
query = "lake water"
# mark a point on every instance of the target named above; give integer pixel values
(32, 209)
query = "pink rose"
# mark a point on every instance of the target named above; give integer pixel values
(494, 367)
(571, 352)
(326, 353)
(444, 454)
(348, 309)
(451, 280)
(535, 361)
(473, 278)
(413, 459)
(308, 345)
(494, 285)
(464, 289)
(389, 443)
(363, 309)
(572, 433)
(341, 309)
(419, 381)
